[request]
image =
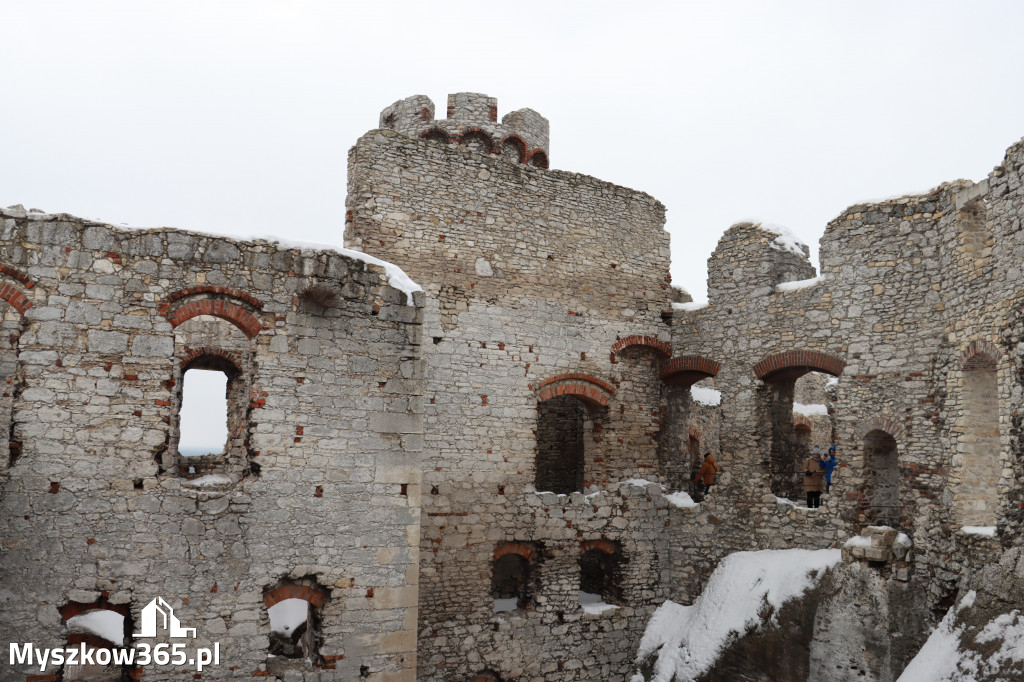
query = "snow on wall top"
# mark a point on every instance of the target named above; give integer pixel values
(397, 277)
(786, 240)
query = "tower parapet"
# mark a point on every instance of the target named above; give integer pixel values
(522, 136)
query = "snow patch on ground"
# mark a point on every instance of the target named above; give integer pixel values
(809, 410)
(681, 499)
(104, 623)
(592, 603)
(943, 657)
(706, 396)
(691, 638)
(800, 284)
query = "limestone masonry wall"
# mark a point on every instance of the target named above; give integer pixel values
(493, 478)
(321, 483)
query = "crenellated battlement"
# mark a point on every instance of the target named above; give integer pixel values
(472, 121)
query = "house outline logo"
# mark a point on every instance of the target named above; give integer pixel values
(160, 610)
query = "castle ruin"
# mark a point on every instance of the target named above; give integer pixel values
(440, 471)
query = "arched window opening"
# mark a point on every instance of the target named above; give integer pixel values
(209, 436)
(799, 421)
(105, 631)
(563, 424)
(881, 496)
(513, 151)
(295, 613)
(601, 576)
(477, 141)
(293, 628)
(976, 460)
(510, 583)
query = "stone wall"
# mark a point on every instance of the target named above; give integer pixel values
(384, 453)
(319, 486)
(532, 298)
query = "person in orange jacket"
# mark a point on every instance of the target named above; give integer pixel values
(707, 472)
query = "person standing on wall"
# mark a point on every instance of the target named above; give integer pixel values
(706, 475)
(814, 479)
(829, 464)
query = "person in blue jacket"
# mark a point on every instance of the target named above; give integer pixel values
(828, 464)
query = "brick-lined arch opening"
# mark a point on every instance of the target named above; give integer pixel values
(211, 418)
(687, 370)
(662, 348)
(513, 149)
(510, 582)
(787, 446)
(791, 365)
(539, 159)
(436, 135)
(105, 630)
(228, 310)
(586, 388)
(564, 424)
(15, 296)
(514, 573)
(477, 140)
(976, 466)
(601, 572)
(295, 609)
(880, 493)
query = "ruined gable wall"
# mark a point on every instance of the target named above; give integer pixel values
(545, 301)
(333, 426)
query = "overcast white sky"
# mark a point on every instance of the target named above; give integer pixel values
(235, 117)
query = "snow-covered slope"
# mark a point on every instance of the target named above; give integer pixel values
(687, 640)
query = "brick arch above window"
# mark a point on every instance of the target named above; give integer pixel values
(16, 293)
(881, 423)
(980, 353)
(688, 370)
(481, 135)
(796, 363)
(436, 134)
(74, 608)
(16, 274)
(523, 549)
(516, 142)
(215, 301)
(587, 388)
(317, 596)
(218, 359)
(802, 422)
(662, 347)
(600, 545)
